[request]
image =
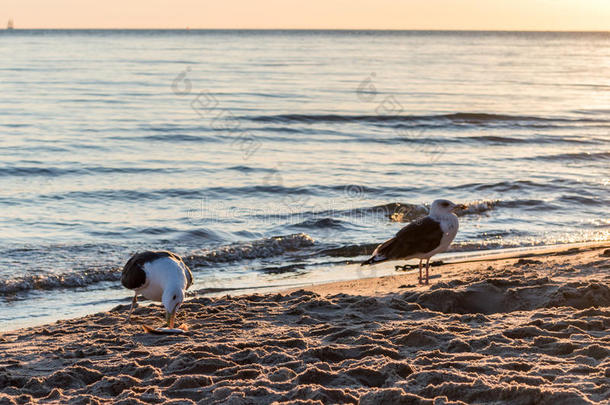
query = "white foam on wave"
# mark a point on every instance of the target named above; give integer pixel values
(257, 249)
(61, 280)
(477, 207)
(401, 212)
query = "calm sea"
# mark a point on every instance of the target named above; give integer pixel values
(265, 156)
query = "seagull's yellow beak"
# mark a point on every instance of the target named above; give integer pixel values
(170, 318)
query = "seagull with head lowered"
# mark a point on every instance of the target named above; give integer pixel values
(158, 276)
(422, 238)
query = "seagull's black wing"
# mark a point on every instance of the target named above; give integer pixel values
(420, 236)
(134, 276)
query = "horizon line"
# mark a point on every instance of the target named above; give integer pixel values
(312, 29)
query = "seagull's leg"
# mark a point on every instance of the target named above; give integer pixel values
(427, 267)
(420, 275)
(133, 304)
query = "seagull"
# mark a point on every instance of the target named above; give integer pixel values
(422, 238)
(158, 276)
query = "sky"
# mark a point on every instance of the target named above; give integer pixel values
(536, 15)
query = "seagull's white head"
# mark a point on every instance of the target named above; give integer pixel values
(172, 299)
(441, 208)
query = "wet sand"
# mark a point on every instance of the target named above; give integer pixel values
(515, 331)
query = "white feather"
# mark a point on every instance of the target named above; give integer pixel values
(161, 274)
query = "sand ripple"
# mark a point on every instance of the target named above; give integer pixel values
(514, 335)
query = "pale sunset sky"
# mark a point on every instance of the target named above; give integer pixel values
(562, 15)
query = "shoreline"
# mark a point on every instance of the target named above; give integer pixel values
(530, 330)
(346, 270)
(454, 268)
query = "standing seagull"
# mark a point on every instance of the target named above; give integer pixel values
(158, 276)
(422, 238)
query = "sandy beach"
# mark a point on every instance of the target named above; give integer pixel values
(516, 331)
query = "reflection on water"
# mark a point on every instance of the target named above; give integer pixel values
(251, 151)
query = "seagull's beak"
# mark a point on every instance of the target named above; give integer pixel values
(170, 317)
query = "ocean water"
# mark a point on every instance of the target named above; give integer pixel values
(266, 157)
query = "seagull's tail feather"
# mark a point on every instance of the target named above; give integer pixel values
(380, 253)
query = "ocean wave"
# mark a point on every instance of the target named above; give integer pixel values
(201, 234)
(423, 137)
(261, 249)
(526, 204)
(477, 207)
(314, 215)
(199, 193)
(406, 212)
(515, 185)
(126, 194)
(321, 223)
(387, 210)
(530, 139)
(584, 201)
(468, 118)
(582, 156)
(258, 249)
(28, 171)
(14, 124)
(396, 212)
(73, 279)
(187, 193)
(290, 268)
(481, 206)
(494, 139)
(251, 169)
(400, 212)
(363, 249)
(384, 210)
(174, 138)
